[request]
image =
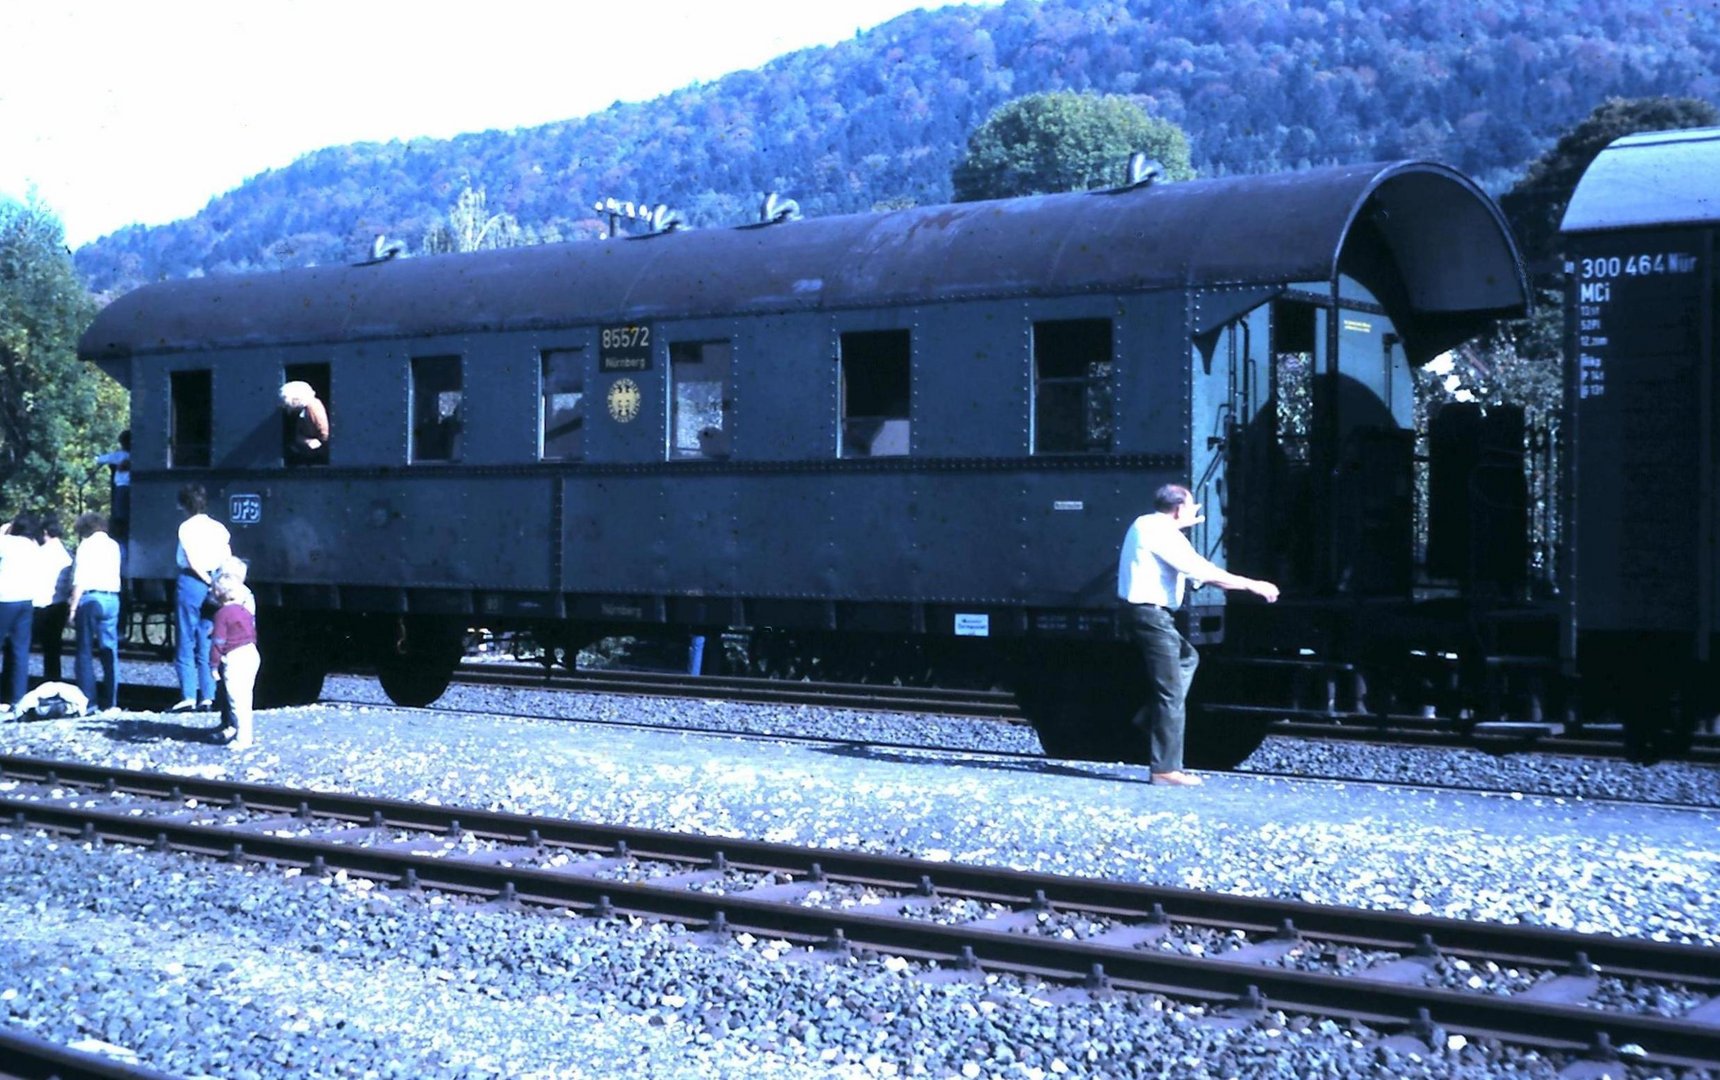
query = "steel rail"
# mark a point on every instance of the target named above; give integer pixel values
(26, 1057)
(1000, 706)
(1554, 1026)
(989, 704)
(1515, 944)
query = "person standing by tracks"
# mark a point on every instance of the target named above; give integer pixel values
(54, 585)
(204, 544)
(95, 609)
(1155, 565)
(233, 649)
(20, 560)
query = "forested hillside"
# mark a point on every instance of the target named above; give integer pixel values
(1258, 85)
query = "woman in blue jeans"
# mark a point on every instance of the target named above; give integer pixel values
(204, 544)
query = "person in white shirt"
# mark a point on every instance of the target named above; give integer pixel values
(1156, 563)
(204, 544)
(54, 589)
(20, 560)
(95, 608)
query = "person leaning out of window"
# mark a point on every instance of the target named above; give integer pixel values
(307, 444)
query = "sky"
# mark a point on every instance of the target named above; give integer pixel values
(116, 112)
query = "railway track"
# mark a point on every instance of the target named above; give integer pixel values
(1392, 972)
(1000, 706)
(26, 1058)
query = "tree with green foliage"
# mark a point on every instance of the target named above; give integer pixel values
(56, 412)
(1536, 204)
(1063, 141)
(1521, 363)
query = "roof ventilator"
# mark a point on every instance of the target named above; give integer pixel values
(382, 249)
(776, 209)
(1143, 170)
(665, 220)
(656, 220)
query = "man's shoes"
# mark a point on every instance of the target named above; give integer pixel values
(207, 705)
(184, 705)
(1177, 779)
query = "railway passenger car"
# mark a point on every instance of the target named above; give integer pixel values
(1643, 567)
(930, 424)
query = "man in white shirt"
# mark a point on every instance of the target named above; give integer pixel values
(204, 544)
(95, 608)
(1156, 562)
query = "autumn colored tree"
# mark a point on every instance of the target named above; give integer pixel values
(470, 226)
(1063, 141)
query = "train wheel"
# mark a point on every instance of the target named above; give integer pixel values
(417, 664)
(296, 655)
(1220, 739)
(1081, 703)
(1221, 742)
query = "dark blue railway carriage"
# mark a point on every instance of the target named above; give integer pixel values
(1644, 490)
(933, 423)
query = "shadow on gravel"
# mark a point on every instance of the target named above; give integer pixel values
(1036, 766)
(133, 730)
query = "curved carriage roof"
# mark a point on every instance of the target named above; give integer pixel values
(1437, 248)
(1654, 178)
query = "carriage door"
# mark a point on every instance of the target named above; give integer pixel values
(1372, 477)
(1296, 528)
(1242, 476)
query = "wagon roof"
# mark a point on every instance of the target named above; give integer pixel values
(1653, 178)
(1427, 223)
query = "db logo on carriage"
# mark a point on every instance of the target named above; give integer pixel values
(245, 509)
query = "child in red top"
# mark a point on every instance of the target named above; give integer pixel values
(233, 649)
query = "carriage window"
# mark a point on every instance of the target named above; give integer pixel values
(699, 372)
(1072, 393)
(435, 408)
(561, 389)
(294, 429)
(875, 384)
(191, 430)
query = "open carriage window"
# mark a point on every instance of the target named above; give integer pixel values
(699, 371)
(1072, 394)
(190, 438)
(435, 408)
(876, 376)
(561, 419)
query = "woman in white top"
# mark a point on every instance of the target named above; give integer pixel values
(204, 544)
(20, 558)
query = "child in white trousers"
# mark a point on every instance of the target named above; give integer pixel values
(233, 649)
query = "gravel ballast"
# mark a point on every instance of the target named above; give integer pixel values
(206, 968)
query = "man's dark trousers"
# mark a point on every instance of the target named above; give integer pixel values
(1171, 661)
